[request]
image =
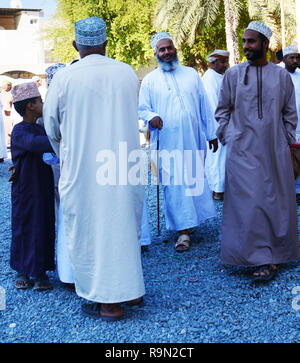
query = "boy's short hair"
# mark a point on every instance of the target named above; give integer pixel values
(20, 106)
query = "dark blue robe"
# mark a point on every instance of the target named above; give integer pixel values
(33, 218)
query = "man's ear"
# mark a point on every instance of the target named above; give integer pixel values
(75, 46)
(30, 106)
(267, 44)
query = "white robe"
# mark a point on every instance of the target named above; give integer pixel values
(178, 97)
(214, 162)
(296, 81)
(63, 263)
(3, 150)
(91, 107)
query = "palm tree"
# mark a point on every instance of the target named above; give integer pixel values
(281, 19)
(282, 22)
(185, 17)
(232, 9)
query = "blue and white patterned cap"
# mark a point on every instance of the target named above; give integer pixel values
(90, 31)
(157, 37)
(261, 28)
(50, 71)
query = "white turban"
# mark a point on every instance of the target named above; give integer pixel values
(260, 28)
(291, 49)
(217, 52)
(157, 37)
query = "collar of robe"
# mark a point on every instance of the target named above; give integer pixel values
(259, 87)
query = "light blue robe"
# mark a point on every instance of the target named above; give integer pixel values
(296, 81)
(214, 162)
(179, 99)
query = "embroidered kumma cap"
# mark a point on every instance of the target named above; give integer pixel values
(260, 28)
(50, 71)
(291, 49)
(90, 31)
(157, 37)
(24, 91)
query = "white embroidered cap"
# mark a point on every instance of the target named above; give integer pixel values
(217, 52)
(291, 49)
(261, 28)
(23, 91)
(157, 37)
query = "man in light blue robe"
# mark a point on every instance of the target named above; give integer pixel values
(174, 106)
(215, 162)
(290, 56)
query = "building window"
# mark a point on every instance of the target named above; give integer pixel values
(33, 21)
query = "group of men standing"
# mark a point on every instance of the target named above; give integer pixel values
(95, 104)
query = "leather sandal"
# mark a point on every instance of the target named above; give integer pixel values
(183, 243)
(94, 311)
(266, 273)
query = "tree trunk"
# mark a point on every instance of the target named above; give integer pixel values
(298, 21)
(231, 23)
(282, 23)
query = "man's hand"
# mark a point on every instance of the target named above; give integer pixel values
(213, 143)
(156, 123)
(13, 173)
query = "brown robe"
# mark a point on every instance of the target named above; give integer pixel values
(258, 119)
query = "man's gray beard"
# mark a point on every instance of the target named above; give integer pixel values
(168, 66)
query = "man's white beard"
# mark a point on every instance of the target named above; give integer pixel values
(168, 66)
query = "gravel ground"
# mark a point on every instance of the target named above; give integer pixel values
(191, 297)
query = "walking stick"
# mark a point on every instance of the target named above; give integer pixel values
(157, 186)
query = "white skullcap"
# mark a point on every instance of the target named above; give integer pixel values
(291, 49)
(217, 52)
(157, 37)
(36, 78)
(260, 28)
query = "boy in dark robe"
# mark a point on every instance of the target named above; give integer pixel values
(33, 218)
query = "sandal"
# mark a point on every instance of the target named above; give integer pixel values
(183, 243)
(266, 273)
(218, 196)
(23, 283)
(94, 311)
(42, 284)
(139, 302)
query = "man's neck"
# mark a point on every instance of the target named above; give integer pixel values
(290, 71)
(84, 54)
(29, 119)
(216, 71)
(259, 62)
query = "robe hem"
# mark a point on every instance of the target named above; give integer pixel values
(109, 301)
(191, 226)
(267, 262)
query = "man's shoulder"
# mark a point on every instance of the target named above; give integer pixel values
(276, 68)
(211, 74)
(187, 70)
(20, 127)
(236, 68)
(151, 75)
